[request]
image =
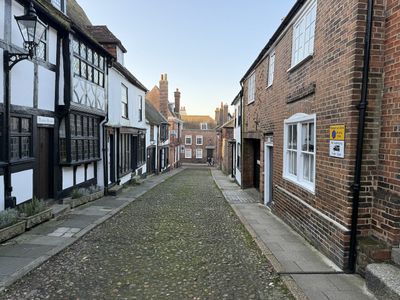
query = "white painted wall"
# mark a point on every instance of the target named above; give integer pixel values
(237, 137)
(22, 84)
(90, 171)
(16, 37)
(125, 179)
(22, 183)
(2, 204)
(2, 9)
(52, 45)
(46, 89)
(61, 80)
(80, 174)
(68, 177)
(1, 76)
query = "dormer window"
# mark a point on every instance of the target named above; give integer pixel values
(120, 56)
(59, 4)
(203, 126)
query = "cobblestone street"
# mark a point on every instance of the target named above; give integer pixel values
(181, 240)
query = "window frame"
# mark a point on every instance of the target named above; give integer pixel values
(20, 135)
(43, 41)
(140, 109)
(199, 150)
(188, 137)
(188, 150)
(271, 69)
(199, 137)
(124, 105)
(203, 126)
(299, 30)
(251, 88)
(298, 120)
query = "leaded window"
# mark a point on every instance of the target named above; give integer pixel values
(20, 138)
(124, 101)
(87, 63)
(141, 150)
(125, 153)
(41, 49)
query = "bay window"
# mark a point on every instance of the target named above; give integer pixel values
(299, 150)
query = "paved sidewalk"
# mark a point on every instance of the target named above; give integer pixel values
(24, 253)
(289, 253)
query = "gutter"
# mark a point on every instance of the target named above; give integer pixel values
(362, 107)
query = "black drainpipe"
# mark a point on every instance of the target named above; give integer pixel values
(362, 107)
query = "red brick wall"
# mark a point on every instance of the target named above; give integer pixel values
(209, 139)
(335, 70)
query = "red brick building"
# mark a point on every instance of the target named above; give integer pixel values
(225, 146)
(320, 142)
(199, 139)
(158, 97)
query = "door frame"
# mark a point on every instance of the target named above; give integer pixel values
(268, 151)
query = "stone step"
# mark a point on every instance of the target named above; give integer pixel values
(383, 280)
(60, 210)
(396, 256)
(115, 190)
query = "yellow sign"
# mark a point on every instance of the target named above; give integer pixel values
(336, 132)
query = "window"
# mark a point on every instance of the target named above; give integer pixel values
(299, 155)
(188, 140)
(140, 101)
(141, 150)
(240, 115)
(124, 101)
(303, 34)
(151, 132)
(87, 63)
(120, 56)
(238, 162)
(199, 140)
(251, 89)
(199, 153)
(203, 126)
(188, 153)
(164, 132)
(60, 4)
(271, 69)
(125, 153)
(41, 49)
(20, 138)
(84, 134)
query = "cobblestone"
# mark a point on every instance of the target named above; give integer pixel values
(181, 240)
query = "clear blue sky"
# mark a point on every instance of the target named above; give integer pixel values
(205, 46)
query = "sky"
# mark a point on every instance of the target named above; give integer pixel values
(205, 46)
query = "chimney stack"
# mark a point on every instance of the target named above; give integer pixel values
(177, 101)
(217, 116)
(226, 107)
(164, 95)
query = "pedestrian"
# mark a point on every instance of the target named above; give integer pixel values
(209, 161)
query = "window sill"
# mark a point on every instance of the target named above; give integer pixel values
(22, 161)
(77, 163)
(300, 63)
(304, 185)
(125, 118)
(248, 103)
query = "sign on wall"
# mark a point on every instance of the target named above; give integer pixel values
(45, 121)
(336, 143)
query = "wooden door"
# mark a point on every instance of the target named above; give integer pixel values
(45, 186)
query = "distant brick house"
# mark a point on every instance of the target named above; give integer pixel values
(199, 139)
(226, 147)
(303, 108)
(158, 97)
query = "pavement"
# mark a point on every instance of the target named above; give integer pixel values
(306, 272)
(26, 252)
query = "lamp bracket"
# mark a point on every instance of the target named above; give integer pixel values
(14, 58)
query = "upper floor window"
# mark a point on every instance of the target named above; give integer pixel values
(20, 138)
(203, 126)
(303, 34)
(41, 49)
(60, 4)
(151, 132)
(299, 154)
(87, 63)
(271, 69)
(199, 140)
(140, 100)
(188, 140)
(120, 56)
(164, 132)
(124, 101)
(251, 88)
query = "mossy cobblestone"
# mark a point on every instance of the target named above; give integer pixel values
(181, 240)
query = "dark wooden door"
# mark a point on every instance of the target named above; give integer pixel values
(112, 158)
(256, 176)
(45, 187)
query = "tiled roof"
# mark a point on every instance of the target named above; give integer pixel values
(77, 14)
(104, 36)
(153, 115)
(193, 121)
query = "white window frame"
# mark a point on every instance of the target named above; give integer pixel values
(271, 69)
(199, 153)
(124, 101)
(203, 126)
(251, 88)
(188, 137)
(188, 152)
(199, 137)
(298, 179)
(304, 34)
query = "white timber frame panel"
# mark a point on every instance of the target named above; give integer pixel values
(22, 186)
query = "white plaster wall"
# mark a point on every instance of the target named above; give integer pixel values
(68, 177)
(16, 37)
(61, 81)
(80, 174)
(238, 174)
(2, 193)
(52, 45)
(46, 89)
(125, 179)
(2, 10)
(22, 183)
(1, 77)
(22, 84)
(90, 171)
